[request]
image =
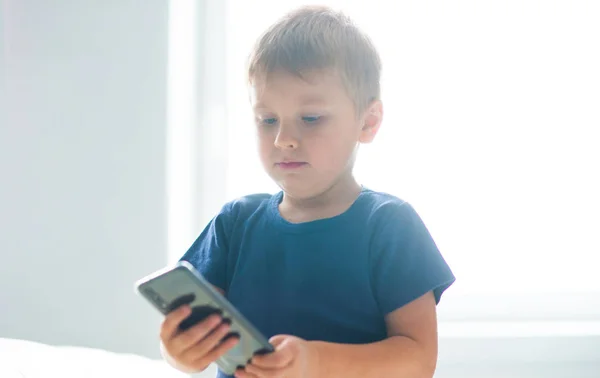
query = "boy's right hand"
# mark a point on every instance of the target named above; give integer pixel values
(194, 349)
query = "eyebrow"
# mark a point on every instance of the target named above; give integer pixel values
(259, 105)
(305, 100)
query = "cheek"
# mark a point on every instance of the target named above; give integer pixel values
(265, 144)
(333, 153)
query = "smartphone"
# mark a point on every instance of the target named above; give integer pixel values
(171, 287)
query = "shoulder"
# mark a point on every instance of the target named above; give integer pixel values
(392, 221)
(405, 261)
(382, 200)
(381, 207)
(244, 207)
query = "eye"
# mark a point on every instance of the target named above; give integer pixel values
(311, 120)
(267, 121)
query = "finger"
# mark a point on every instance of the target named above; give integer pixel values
(204, 360)
(263, 372)
(170, 325)
(205, 342)
(282, 357)
(278, 340)
(193, 335)
(220, 350)
(241, 373)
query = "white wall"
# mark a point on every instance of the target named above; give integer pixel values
(2, 70)
(82, 194)
(82, 156)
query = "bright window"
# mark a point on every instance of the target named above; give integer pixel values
(491, 131)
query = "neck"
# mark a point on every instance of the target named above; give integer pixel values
(334, 201)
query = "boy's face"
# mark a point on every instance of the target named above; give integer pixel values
(308, 131)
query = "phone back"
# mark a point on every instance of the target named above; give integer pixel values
(172, 287)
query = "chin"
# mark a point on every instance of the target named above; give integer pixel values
(301, 192)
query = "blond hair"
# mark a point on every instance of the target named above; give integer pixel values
(316, 38)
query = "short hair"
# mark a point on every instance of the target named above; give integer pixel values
(314, 38)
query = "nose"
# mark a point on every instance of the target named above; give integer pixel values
(286, 138)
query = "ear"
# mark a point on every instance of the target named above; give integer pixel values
(371, 120)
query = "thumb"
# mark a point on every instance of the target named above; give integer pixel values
(277, 340)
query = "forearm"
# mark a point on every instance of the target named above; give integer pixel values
(397, 356)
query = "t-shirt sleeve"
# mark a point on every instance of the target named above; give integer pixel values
(405, 261)
(209, 252)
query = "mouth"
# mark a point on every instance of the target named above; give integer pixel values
(290, 164)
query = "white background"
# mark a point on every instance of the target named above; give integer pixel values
(92, 196)
(491, 130)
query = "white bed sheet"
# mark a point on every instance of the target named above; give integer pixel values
(28, 359)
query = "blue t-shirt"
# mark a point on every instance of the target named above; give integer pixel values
(332, 279)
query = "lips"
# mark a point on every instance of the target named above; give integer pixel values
(291, 164)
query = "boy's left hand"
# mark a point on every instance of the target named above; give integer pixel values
(293, 358)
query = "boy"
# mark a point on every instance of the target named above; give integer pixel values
(342, 279)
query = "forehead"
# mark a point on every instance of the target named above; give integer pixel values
(311, 87)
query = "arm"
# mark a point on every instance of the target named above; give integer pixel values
(405, 264)
(410, 350)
